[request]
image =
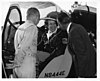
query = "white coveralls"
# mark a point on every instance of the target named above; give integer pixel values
(25, 42)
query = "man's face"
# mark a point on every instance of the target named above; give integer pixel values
(52, 25)
(37, 18)
(63, 26)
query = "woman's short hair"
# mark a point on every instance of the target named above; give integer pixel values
(46, 22)
(53, 15)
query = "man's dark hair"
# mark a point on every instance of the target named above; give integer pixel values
(64, 18)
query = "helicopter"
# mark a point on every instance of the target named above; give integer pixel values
(57, 67)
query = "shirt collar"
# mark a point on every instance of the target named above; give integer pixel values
(50, 33)
(29, 21)
(27, 24)
(69, 25)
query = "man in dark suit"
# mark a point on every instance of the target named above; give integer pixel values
(80, 47)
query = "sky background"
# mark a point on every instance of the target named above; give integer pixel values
(63, 4)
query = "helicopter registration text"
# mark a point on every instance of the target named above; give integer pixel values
(55, 74)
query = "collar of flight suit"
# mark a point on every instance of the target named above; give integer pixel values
(27, 24)
(50, 33)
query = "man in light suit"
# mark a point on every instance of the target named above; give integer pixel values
(25, 42)
(80, 47)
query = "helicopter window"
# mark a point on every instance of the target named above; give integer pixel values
(12, 22)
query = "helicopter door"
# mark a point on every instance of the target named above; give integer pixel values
(12, 22)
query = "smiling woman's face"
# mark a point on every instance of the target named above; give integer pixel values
(52, 25)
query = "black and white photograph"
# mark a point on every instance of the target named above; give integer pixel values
(49, 39)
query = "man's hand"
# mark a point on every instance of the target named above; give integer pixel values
(11, 66)
(64, 41)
